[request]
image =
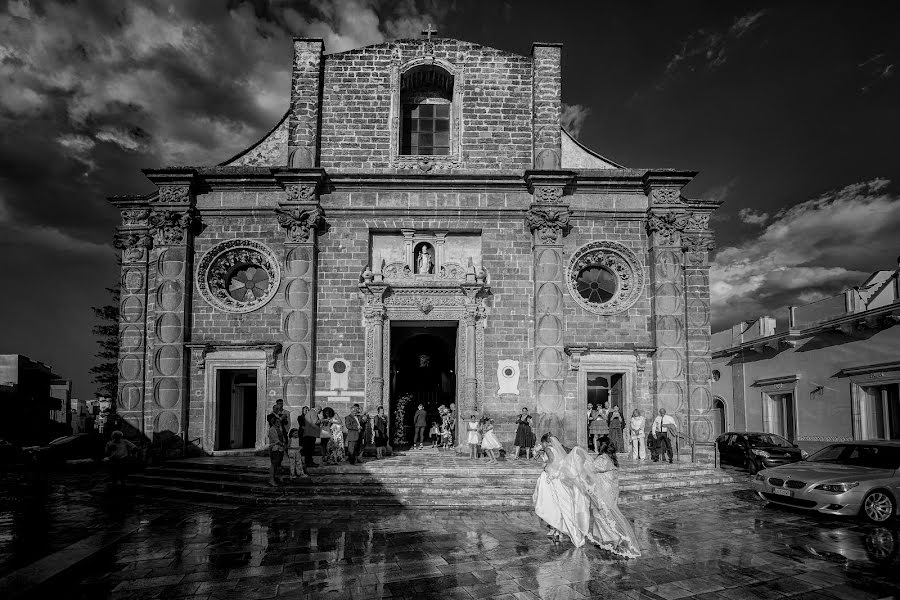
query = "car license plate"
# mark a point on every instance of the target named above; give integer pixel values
(781, 492)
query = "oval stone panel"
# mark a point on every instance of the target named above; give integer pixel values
(132, 309)
(549, 331)
(167, 422)
(132, 338)
(671, 397)
(550, 398)
(132, 281)
(549, 298)
(668, 265)
(170, 262)
(549, 363)
(168, 360)
(669, 364)
(168, 295)
(130, 397)
(167, 392)
(168, 328)
(297, 263)
(547, 265)
(130, 368)
(698, 312)
(701, 372)
(669, 331)
(701, 399)
(668, 299)
(701, 429)
(296, 326)
(296, 389)
(296, 360)
(297, 294)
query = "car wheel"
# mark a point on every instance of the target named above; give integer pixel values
(878, 507)
(751, 466)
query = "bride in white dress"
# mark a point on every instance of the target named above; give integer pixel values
(576, 495)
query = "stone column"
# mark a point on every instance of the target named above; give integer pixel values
(697, 242)
(374, 316)
(134, 241)
(666, 220)
(548, 220)
(470, 319)
(173, 221)
(547, 105)
(306, 94)
(302, 218)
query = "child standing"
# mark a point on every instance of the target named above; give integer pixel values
(293, 452)
(474, 438)
(435, 434)
(489, 442)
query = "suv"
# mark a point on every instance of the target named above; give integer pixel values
(757, 450)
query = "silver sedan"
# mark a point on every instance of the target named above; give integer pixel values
(852, 478)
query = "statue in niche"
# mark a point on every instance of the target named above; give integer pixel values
(424, 263)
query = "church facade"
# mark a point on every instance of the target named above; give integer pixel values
(418, 228)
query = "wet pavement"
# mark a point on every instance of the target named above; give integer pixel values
(722, 545)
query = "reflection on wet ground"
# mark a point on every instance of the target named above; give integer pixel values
(723, 545)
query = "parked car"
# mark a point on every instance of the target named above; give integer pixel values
(852, 478)
(69, 447)
(757, 450)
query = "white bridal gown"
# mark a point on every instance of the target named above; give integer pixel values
(578, 494)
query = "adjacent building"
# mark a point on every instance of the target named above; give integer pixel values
(823, 372)
(418, 228)
(36, 401)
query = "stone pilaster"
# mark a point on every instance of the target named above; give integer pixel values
(134, 241)
(548, 219)
(173, 221)
(697, 242)
(306, 94)
(547, 105)
(665, 222)
(373, 289)
(302, 218)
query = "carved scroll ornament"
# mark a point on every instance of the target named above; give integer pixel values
(549, 222)
(301, 223)
(171, 226)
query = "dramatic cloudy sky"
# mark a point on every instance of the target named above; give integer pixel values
(788, 111)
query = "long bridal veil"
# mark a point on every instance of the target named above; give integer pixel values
(578, 494)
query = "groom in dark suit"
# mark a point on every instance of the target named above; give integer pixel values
(353, 424)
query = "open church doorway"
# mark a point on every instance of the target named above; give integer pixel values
(423, 369)
(236, 414)
(604, 391)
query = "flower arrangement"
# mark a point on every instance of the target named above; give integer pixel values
(400, 419)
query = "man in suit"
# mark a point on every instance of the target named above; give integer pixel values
(420, 420)
(664, 426)
(354, 431)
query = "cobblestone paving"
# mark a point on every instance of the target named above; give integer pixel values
(724, 545)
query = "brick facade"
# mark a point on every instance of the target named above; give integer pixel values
(310, 197)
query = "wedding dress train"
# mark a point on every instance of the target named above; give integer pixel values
(577, 494)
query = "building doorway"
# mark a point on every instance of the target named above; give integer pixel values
(780, 415)
(717, 418)
(606, 390)
(236, 409)
(881, 411)
(423, 368)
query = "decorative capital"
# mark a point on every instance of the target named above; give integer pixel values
(666, 196)
(548, 194)
(301, 192)
(171, 226)
(575, 354)
(698, 243)
(301, 224)
(549, 223)
(374, 313)
(272, 352)
(697, 222)
(667, 226)
(135, 216)
(198, 356)
(175, 194)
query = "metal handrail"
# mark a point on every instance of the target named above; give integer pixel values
(679, 435)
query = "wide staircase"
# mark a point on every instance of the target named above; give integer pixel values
(421, 479)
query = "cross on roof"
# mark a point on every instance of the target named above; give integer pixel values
(428, 31)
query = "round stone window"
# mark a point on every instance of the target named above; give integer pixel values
(596, 284)
(238, 276)
(605, 277)
(339, 367)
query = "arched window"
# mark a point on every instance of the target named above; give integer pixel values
(426, 101)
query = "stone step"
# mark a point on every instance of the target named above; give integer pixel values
(500, 478)
(361, 502)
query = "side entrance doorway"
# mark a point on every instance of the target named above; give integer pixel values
(236, 404)
(423, 370)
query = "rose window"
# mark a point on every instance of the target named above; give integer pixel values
(238, 276)
(605, 277)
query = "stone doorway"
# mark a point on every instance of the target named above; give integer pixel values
(236, 409)
(424, 366)
(605, 389)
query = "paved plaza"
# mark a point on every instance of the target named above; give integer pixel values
(87, 541)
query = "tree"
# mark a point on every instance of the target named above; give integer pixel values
(106, 372)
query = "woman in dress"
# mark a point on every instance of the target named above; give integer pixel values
(524, 435)
(380, 425)
(489, 441)
(577, 497)
(599, 427)
(616, 424)
(474, 437)
(336, 453)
